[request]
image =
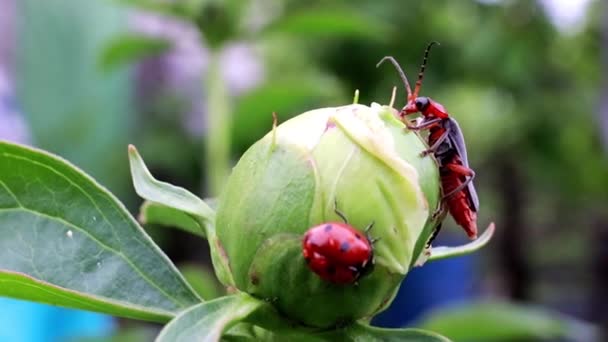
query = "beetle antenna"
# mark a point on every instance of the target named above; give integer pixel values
(400, 71)
(422, 67)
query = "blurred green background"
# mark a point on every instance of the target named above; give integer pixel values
(193, 83)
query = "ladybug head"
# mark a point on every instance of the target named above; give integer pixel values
(367, 267)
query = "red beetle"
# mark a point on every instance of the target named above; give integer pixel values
(447, 143)
(337, 252)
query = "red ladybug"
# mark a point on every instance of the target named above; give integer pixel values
(338, 252)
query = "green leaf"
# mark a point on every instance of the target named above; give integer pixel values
(129, 48)
(243, 332)
(67, 241)
(330, 22)
(438, 253)
(496, 321)
(183, 200)
(212, 202)
(355, 332)
(208, 321)
(156, 213)
(364, 332)
(22, 286)
(169, 195)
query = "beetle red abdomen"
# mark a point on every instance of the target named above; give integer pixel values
(458, 204)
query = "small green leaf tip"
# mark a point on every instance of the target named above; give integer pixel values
(274, 130)
(393, 96)
(356, 97)
(438, 253)
(164, 193)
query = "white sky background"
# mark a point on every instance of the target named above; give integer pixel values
(567, 15)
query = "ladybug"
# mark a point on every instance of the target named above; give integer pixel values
(337, 252)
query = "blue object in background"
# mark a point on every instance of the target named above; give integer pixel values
(436, 284)
(22, 321)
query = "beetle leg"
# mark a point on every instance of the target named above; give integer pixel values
(373, 241)
(434, 235)
(367, 229)
(423, 125)
(435, 146)
(438, 211)
(338, 212)
(463, 171)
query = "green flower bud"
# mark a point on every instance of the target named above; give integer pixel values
(359, 157)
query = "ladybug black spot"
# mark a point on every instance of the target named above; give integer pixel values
(358, 236)
(345, 246)
(331, 269)
(328, 228)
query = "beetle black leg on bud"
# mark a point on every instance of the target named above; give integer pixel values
(338, 212)
(367, 229)
(433, 235)
(438, 211)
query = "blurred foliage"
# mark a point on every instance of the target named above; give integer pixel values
(326, 22)
(498, 321)
(139, 333)
(131, 48)
(72, 108)
(524, 93)
(203, 281)
(184, 9)
(502, 70)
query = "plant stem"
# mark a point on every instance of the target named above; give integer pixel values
(219, 120)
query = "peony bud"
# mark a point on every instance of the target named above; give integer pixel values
(360, 158)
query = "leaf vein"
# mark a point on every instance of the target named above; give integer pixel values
(113, 205)
(82, 230)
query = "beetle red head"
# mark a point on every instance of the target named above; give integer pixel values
(410, 108)
(418, 104)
